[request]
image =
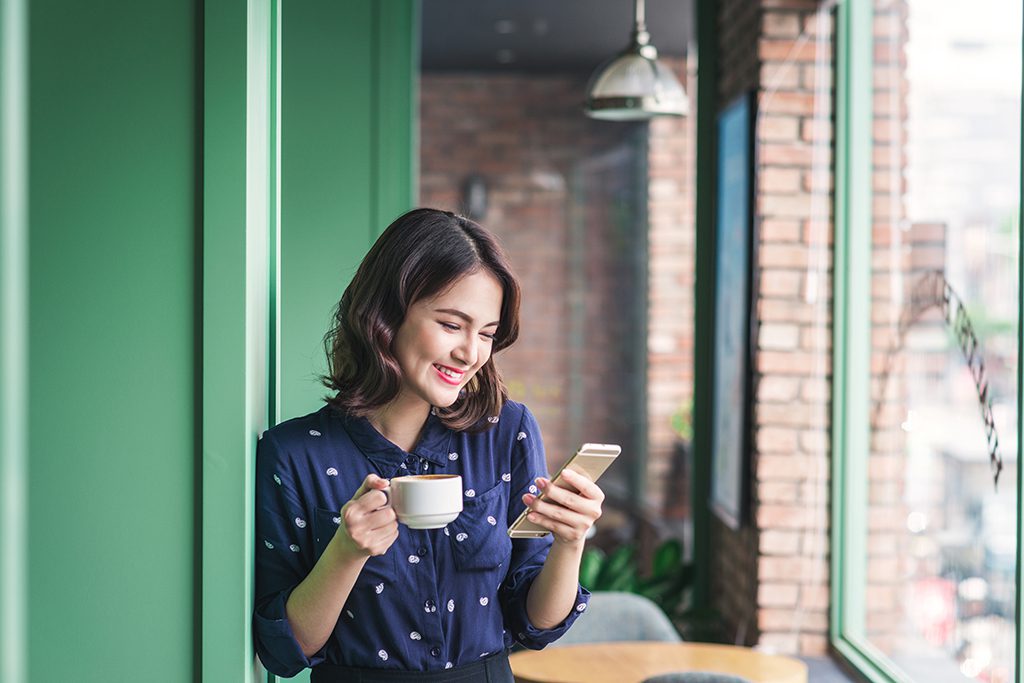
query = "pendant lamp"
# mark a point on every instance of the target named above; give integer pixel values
(634, 85)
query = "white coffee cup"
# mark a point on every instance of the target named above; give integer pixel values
(426, 501)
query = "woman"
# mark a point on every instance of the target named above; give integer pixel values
(342, 587)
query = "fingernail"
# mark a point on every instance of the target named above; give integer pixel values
(541, 483)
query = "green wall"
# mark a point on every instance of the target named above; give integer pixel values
(112, 338)
(347, 147)
(149, 275)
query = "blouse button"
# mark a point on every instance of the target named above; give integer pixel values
(422, 551)
(435, 651)
(429, 604)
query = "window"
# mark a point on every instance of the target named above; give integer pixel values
(926, 380)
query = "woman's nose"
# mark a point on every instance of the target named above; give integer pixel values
(468, 351)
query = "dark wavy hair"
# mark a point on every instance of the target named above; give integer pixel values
(418, 256)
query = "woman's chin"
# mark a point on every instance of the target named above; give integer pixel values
(446, 401)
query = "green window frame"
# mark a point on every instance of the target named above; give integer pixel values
(851, 348)
(13, 340)
(253, 375)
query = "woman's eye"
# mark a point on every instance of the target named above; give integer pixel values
(450, 326)
(489, 336)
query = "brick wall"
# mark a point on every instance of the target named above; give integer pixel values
(772, 575)
(564, 200)
(670, 278)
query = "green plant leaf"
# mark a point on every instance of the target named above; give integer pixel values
(617, 569)
(668, 558)
(624, 581)
(590, 567)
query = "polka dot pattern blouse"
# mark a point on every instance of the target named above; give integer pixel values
(437, 598)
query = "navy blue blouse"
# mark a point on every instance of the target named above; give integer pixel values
(437, 598)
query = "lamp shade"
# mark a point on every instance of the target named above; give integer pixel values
(633, 87)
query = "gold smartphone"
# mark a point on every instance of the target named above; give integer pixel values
(591, 459)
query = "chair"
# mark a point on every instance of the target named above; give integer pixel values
(695, 677)
(613, 617)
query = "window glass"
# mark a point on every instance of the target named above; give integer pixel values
(939, 593)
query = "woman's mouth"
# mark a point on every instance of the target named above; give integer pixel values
(449, 375)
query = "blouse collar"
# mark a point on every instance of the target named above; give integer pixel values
(432, 445)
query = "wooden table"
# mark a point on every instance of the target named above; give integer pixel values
(634, 662)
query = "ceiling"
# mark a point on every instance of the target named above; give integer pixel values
(543, 35)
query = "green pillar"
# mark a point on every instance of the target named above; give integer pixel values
(112, 325)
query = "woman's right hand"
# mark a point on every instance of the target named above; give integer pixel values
(367, 527)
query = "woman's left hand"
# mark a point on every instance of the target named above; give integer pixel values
(566, 513)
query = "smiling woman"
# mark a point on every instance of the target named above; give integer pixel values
(441, 348)
(339, 582)
(410, 271)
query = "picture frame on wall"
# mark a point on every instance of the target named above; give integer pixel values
(735, 282)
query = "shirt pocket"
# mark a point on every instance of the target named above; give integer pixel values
(378, 571)
(479, 535)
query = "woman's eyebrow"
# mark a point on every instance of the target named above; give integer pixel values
(459, 314)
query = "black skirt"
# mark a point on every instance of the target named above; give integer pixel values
(493, 669)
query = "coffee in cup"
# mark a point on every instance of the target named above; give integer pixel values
(426, 501)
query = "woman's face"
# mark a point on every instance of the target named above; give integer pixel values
(444, 340)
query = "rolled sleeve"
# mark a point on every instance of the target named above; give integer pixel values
(276, 644)
(284, 556)
(529, 554)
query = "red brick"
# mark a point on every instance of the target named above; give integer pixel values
(819, 231)
(813, 77)
(787, 310)
(788, 50)
(815, 596)
(781, 24)
(883, 569)
(779, 76)
(778, 492)
(884, 544)
(800, 363)
(884, 519)
(780, 230)
(775, 440)
(782, 180)
(792, 154)
(783, 568)
(880, 597)
(787, 466)
(815, 339)
(792, 415)
(777, 594)
(816, 130)
(780, 283)
(779, 337)
(775, 516)
(814, 441)
(772, 388)
(818, 23)
(783, 256)
(782, 102)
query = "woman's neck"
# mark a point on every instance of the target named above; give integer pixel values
(401, 422)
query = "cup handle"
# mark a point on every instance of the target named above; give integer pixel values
(387, 494)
